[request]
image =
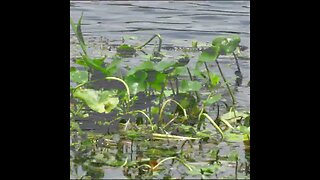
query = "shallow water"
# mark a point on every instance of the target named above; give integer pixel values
(179, 23)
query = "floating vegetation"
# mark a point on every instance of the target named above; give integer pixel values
(174, 124)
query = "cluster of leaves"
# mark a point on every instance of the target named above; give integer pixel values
(178, 107)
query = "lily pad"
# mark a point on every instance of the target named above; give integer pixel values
(187, 86)
(210, 54)
(79, 76)
(99, 101)
(137, 81)
(227, 44)
(212, 100)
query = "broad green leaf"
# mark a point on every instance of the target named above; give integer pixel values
(81, 62)
(79, 76)
(214, 79)
(156, 80)
(99, 61)
(179, 71)
(146, 65)
(227, 44)
(167, 93)
(99, 101)
(234, 137)
(197, 72)
(187, 86)
(95, 63)
(212, 100)
(137, 81)
(210, 54)
(244, 129)
(164, 65)
(186, 100)
(233, 116)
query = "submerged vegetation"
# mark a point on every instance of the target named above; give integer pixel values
(183, 109)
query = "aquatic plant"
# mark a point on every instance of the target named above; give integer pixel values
(177, 111)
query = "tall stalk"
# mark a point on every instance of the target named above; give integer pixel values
(196, 92)
(237, 62)
(160, 42)
(227, 84)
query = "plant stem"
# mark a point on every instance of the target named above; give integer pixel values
(225, 81)
(208, 71)
(189, 74)
(236, 170)
(237, 62)
(214, 124)
(148, 118)
(170, 122)
(149, 108)
(169, 158)
(177, 85)
(160, 42)
(172, 87)
(124, 83)
(164, 105)
(196, 92)
(161, 97)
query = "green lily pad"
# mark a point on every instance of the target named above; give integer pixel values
(210, 54)
(79, 76)
(146, 65)
(164, 65)
(227, 44)
(156, 80)
(212, 100)
(99, 101)
(187, 86)
(137, 81)
(214, 79)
